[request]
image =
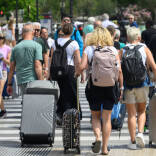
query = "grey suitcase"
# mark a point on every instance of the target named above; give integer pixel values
(38, 115)
(42, 87)
(152, 117)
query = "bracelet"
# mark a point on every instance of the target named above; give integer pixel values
(45, 69)
(122, 88)
(9, 84)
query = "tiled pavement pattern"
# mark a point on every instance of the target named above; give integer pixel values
(10, 143)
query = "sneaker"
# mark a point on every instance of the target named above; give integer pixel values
(140, 140)
(2, 113)
(132, 146)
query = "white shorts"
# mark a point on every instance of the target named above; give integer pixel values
(136, 95)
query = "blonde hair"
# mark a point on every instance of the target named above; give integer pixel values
(133, 33)
(10, 23)
(100, 37)
(2, 34)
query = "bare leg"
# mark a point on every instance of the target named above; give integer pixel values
(2, 83)
(131, 109)
(96, 124)
(106, 129)
(141, 107)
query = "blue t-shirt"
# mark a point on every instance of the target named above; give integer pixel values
(134, 24)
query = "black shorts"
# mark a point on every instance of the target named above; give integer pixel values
(99, 97)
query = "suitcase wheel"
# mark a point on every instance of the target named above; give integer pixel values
(22, 144)
(150, 143)
(78, 150)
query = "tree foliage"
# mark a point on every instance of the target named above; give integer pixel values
(10, 5)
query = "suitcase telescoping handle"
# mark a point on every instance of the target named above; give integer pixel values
(78, 104)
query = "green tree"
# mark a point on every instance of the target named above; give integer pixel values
(10, 5)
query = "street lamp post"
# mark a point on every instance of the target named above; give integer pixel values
(71, 8)
(37, 11)
(62, 5)
(16, 29)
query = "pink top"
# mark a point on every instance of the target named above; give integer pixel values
(5, 50)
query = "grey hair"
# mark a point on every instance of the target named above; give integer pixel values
(105, 16)
(133, 33)
(37, 24)
(25, 29)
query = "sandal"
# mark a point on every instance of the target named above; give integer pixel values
(105, 153)
(96, 146)
(108, 149)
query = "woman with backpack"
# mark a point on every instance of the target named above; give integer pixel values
(97, 95)
(68, 83)
(134, 57)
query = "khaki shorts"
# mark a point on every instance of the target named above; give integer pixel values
(136, 95)
(4, 75)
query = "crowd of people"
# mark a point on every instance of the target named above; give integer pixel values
(31, 58)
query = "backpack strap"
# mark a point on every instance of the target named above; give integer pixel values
(75, 31)
(137, 47)
(56, 44)
(67, 43)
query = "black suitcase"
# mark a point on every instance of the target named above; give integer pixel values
(38, 115)
(71, 128)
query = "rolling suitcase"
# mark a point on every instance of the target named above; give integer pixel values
(38, 115)
(152, 117)
(71, 128)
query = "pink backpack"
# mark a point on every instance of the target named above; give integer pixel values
(105, 70)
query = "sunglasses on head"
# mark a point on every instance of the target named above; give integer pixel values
(1, 38)
(37, 30)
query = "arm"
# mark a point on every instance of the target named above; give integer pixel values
(50, 60)
(38, 69)
(120, 77)
(82, 65)
(7, 60)
(120, 72)
(10, 76)
(150, 61)
(45, 58)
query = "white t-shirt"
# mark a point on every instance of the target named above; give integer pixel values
(90, 51)
(50, 42)
(141, 50)
(70, 49)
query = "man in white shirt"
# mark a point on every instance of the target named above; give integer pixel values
(106, 22)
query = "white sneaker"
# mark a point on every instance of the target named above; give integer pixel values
(132, 146)
(140, 140)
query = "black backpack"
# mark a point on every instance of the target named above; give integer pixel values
(59, 64)
(134, 71)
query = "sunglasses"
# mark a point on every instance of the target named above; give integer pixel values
(67, 20)
(37, 30)
(1, 38)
